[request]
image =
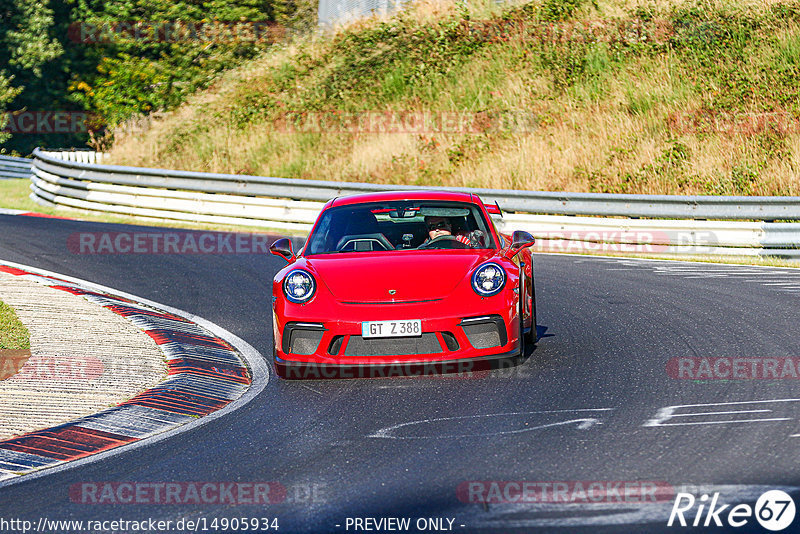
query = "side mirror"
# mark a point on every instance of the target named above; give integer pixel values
(519, 240)
(283, 248)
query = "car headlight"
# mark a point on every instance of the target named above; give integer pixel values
(299, 286)
(488, 279)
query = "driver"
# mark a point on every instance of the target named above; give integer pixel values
(440, 227)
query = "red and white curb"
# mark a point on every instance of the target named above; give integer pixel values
(210, 372)
(7, 211)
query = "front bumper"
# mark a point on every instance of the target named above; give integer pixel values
(460, 367)
(483, 332)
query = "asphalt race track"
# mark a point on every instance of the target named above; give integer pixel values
(592, 403)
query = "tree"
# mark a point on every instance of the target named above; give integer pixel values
(114, 60)
(27, 44)
(7, 94)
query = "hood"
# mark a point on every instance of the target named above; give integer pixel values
(414, 276)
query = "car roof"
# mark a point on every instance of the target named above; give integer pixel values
(452, 196)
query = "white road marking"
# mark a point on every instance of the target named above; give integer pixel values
(582, 424)
(720, 413)
(771, 273)
(669, 412)
(782, 279)
(765, 420)
(705, 276)
(311, 389)
(769, 281)
(671, 263)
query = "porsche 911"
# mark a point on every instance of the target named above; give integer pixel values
(402, 279)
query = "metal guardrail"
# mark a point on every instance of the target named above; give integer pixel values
(11, 167)
(551, 217)
(79, 155)
(544, 202)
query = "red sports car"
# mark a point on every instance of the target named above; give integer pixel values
(405, 280)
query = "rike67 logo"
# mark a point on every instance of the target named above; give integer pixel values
(774, 510)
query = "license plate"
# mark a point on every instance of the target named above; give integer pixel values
(404, 328)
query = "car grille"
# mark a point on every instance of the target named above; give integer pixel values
(427, 343)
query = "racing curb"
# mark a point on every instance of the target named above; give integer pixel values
(7, 211)
(210, 372)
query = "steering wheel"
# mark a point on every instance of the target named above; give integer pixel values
(443, 241)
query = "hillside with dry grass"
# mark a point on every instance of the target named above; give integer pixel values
(562, 95)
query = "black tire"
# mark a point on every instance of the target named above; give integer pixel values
(521, 310)
(532, 336)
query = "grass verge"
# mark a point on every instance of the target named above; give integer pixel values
(13, 334)
(618, 96)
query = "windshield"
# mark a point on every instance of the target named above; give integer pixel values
(399, 226)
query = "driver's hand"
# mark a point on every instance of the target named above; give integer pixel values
(475, 239)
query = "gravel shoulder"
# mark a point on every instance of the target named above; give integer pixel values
(84, 358)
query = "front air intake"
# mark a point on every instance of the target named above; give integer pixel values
(427, 343)
(302, 338)
(485, 332)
